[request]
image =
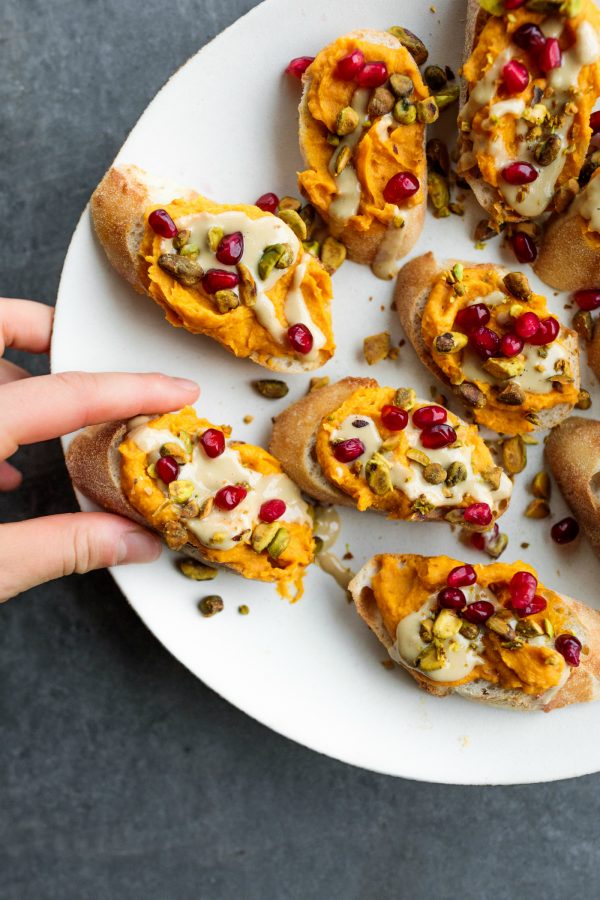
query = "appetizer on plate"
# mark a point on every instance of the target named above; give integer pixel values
(362, 135)
(481, 330)
(233, 272)
(223, 502)
(358, 444)
(488, 633)
(531, 77)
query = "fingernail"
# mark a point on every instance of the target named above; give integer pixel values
(137, 547)
(185, 384)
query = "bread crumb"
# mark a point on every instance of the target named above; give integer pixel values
(376, 347)
(387, 663)
(248, 419)
(243, 609)
(525, 545)
(394, 353)
(432, 9)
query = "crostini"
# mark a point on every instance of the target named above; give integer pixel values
(223, 502)
(531, 77)
(491, 633)
(233, 272)
(481, 330)
(363, 113)
(358, 444)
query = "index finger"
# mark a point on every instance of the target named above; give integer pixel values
(48, 406)
(25, 325)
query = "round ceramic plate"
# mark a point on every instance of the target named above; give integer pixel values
(226, 124)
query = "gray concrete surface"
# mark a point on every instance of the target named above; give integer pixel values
(121, 776)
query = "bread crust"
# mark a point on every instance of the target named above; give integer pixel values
(582, 686)
(566, 260)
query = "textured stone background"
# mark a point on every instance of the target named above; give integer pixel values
(121, 776)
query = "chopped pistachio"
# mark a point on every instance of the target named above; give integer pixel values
(405, 398)
(584, 401)
(546, 151)
(516, 283)
(456, 473)
(342, 159)
(290, 203)
(427, 111)
(312, 247)
(247, 285)
(317, 383)
(151, 470)
(469, 630)
(447, 97)
(435, 77)
(181, 238)
(514, 455)
(432, 658)
(471, 395)
(505, 367)
(438, 158)
(295, 222)
(174, 450)
(492, 477)
(434, 473)
(279, 543)
(413, 44)
(439, 194)
(196, 570)
(541, 485)
(401, 85)
(422, 506)
(181, 490)
(206, 508)
(377, 474)
(175, 535)
(376, 347)
(262, 535)
(499, 626)
(186, 271)
(211, 605)
(214, 237)
(446, 625)
(346, 122)
(537, 509)
(528, 628)
(333, 254)
(426, 631)
(495, 546)
(404, 112)
(269, 259)
(381, 103)
(512, 395)
(243, 610)
(226, 301)
(190, 510)
(583, 325)
(271, 388)
(418, 456)
(548, 628)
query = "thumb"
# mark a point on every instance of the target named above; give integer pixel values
(38, 550)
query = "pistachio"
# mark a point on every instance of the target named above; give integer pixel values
(342, 159)
(312, 247)
(563, 372)
(549, 628)
(446, 625)
(243, 610)
(294, 221)
(186, 271)
(175, 450)
(404, 112)
(438, 158)
(471, 395)
(515, 310)
(541, 486)
(271, 388)
(456, 473)
(247, 285)
(190, 510)
(196, 570)
(413, 44)
(447, 97)
(485, 230)
(516, 283)
(346, 121)
(333, 139)
(505, 367)
(262, 535)
(583, 325)
(495, 546)
(206, 508)
(181, 490)
(151, 470)
(175, 535)
(435, 77)
(405, 398)
(434, 473)
(211, 605)
(376, 347)
(269, 259)
(455, 274)
(584, 401)
(492, 477)
(500, 626)
(455, 517)
(287, 256)
(546, 151)
(512, 395)
(426, 631)
(427, 111)
(226, 300)
(401, 85)
(568, 8)
(381, 103)
(564, 195)
(333, 254)
(469, 630)
(181, 238)
(377, 474)
(514, 455)
(418, 456)
(527, 628)
(308, 214)
(589, 167)
(190, 250)
(279, 543)
(533, 418)
(439, 194)
(290, 203)
(214, 237)
(317, 383)
(450, 342)
(422, 506)
(537, 509)
(432, 658)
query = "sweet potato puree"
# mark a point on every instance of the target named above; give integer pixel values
(438, 317)
(239, 330)
(379, 155)
(146, 497)
(403, 586)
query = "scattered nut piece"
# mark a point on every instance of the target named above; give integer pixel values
(471, 395)
(505, 367)
(413, 44)
(243, 609)
(405, 112)
(541, 486)
(401, 85)
(427, 111)
(271, 388)
(456, 473)
(295, 222)
(247, 285)
(512, 395)
(434, 473)
(248, 419)
(333, 254)
(211, 605)
(346, 122)
(584, 401)
(516, 283)
(381, 103)
(290, 203)
(450, 342)
(318, 382)
(514, 455)
(186, 271)
(226, 301)
(376, 347)
(196, 570)
(405, 398)
(537, 509)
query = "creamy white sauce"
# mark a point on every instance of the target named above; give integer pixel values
(587, 203)
(531, 200)
(485, 88)
(584, 52)
(514, 107)
(347, 198)
(387, 261)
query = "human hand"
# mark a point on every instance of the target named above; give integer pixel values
(47, 406)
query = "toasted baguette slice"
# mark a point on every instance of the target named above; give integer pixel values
(581, 686)
(378, 246)
(119, 206)
(413, 287)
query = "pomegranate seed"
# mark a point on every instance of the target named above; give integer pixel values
(523, 586)
(595, 121)
(348, 450)
(219, 280)
(511, 344)
(272, 510)
(478, 541)
(570, 647)
(478, 514)
(461, 576)
(527, 325)
(472, 317)
(519, 173)
(231, 248)
(167, 469)
(484, 342)
(230, 496)
(372, 75)
(529, 37)
(298, 66)
(162, 224)
(513, 4)
(524, 247)
(213, 442)
(400, 187)
(515, 76)
(550, 55)
(478, 612)
(587, 300)
(565, 531)
(429, 415)
(268, 202)
(300, 337)
(394, 418)
(451, 598)
(438, 436)
(349, 66)
(536, 605)
(547, 332)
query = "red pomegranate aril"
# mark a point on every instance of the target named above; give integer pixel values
(167, 469)
(231, 248)
(400, 187)
(547, 332)
(451, 598)
(213, 442)
(511, 344)
(513, 4)
(478, 514)
(372, 75)
(595, 121)
(565, 531)
(587, 299)
(484, 342)
(536, 605)
(478, 541)
(349, 66)
(524, 247)
(394, 418)
(519, 173)
(438, 436)
(425, 416)
(298, 66)
(347, 451)
(527, 325)
(471, 317)
(219, 280)
(570, 647)
(522, 587)
(529, 37)
(550, 55)
(268, 202)
(162, 224)
(230, 496)
(515, 76)
(478, 612)
(461, 576)
(301, 339)
(271, 510)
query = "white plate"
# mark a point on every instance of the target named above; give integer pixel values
(226, 124)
